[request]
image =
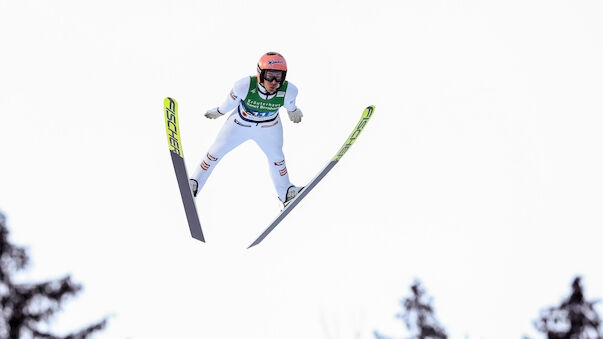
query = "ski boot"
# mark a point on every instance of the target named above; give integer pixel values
(193, 185)
(292, 192)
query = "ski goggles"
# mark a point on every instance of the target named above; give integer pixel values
(274, 75)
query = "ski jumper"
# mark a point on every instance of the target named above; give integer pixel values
(255, 117)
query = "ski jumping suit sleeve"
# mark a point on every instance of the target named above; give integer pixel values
(290, 97)
(255, 117)
(237, 93)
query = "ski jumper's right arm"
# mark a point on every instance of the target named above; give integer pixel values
(237, 94)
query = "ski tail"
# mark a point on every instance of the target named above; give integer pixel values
(173, 134)
(366, 115)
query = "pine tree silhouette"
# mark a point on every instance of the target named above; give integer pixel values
(26, 305)
(418, 316)
(574, 318)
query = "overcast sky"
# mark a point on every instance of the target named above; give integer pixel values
(480, 172)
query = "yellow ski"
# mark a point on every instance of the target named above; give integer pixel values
(170, 108)
(366, 115)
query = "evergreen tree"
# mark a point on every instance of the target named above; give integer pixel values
(25, 306)
(419, 316)
(574, 318)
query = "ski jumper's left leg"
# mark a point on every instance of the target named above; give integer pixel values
(269, 136)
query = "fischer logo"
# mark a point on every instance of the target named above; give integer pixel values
(280, 163)
(211, 157)
(355, 134)
(174, 138)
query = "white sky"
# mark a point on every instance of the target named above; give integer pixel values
(480, 172)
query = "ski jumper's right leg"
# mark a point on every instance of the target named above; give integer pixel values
(230, 136)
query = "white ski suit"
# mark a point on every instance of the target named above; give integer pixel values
(255, 117)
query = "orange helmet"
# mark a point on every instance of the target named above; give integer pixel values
(272, 61)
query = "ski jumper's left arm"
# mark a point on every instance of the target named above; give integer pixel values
(295, 114)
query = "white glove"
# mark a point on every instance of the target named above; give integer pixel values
(213, 113)
(295, 115)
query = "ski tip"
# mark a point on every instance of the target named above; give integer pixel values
(368, 112)
(171, 103)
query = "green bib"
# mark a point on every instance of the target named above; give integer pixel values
(255, 106)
